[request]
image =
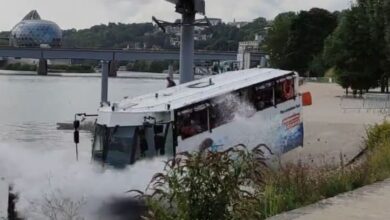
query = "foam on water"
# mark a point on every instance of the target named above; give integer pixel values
(47, 177)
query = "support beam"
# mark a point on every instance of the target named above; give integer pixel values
(113, 68)
(42, 67)
(187, 48)
(105, 73)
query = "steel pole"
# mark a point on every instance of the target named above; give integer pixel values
(104, 89)
(187, 48)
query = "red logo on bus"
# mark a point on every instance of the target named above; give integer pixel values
(292, 121)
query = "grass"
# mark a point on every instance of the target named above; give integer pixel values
(237, 184)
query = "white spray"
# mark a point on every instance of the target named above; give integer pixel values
(52, 180)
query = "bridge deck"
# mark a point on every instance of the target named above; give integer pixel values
(119, 55)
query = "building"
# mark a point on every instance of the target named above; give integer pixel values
(238, 24)
(32, 31)
(245, 50)
(213, 21)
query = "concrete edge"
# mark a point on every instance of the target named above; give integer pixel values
(295, 214)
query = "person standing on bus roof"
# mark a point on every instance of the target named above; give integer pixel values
(170, 83)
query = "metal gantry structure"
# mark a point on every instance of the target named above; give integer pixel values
(188, 9)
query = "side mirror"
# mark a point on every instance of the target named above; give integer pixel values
(307, 99)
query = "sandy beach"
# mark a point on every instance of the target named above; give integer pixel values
(329, 129)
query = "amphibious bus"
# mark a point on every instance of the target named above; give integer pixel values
(249, 107)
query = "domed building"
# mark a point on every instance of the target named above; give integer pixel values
(32, 31)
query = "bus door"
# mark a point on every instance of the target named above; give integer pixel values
(153, 141)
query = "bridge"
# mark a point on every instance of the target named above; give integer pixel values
(110, 56)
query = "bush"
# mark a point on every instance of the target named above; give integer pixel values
(208, 186)
(72, 68)
(21, 67)
(237, 184)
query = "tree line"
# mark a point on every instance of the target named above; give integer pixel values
(354, 44)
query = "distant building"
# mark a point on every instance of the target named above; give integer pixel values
(238, 24)
(213, 21)
(32, 31)
(246, 48)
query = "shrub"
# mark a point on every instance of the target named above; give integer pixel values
(237, 184)
(209, 185)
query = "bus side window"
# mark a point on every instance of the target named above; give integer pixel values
(263, 97)
(284, 90)
(192, 121)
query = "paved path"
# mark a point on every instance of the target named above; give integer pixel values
(368, 203)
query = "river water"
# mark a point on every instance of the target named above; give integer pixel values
(40, 160)
(31, 106)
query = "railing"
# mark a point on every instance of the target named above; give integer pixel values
(319, 79)
(377, 102)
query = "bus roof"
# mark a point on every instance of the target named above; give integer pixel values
(196, 91)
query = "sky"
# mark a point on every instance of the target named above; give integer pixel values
(81, 14)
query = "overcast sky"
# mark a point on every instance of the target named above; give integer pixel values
(85, 13)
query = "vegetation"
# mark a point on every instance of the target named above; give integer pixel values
(21, 67)
(108, 36)
(238, 184)
(72, 68)
(53, 68)
(151, 66)
(296, 41)
(358, 49)
(4, 38)
(208, 186)
(353, 43)
(277, 38)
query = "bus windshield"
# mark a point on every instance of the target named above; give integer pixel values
(121, 146)
(114, 145)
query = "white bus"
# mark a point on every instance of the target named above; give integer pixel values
(249, 107)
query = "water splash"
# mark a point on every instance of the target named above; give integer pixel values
(50, 176)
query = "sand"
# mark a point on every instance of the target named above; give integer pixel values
(330, 131)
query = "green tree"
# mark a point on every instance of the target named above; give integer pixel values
(350, 51)
(276, 40)
(4, 38)
(306, 38)
(257, 26)
(359, 48)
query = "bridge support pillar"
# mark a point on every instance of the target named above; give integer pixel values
(42, 67)
(113, 66)
(187, 48)
(105, 74)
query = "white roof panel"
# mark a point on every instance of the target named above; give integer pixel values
(196, 91)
